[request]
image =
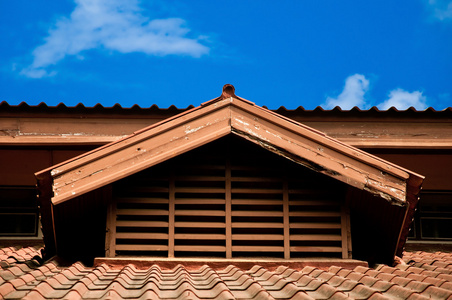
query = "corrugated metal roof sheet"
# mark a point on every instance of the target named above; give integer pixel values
(421, 276)
(282, 109)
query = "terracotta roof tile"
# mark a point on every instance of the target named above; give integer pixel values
(51, 281)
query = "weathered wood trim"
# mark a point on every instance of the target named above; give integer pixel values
(130, 158)
(305, 150)
(278, 134)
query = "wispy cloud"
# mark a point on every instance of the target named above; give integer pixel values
(442, 9)
(402, 99)
(115, 25)
(352, 95)
(357, 86)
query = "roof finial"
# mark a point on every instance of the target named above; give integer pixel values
(228, 91)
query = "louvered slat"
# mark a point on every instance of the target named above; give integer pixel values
(217, 203)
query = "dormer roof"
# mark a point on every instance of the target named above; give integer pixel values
(230, 114)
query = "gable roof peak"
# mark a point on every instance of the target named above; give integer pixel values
(227, 93)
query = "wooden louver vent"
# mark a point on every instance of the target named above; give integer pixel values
(210, 202)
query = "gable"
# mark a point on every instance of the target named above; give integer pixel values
(202, 125)
(226, 115)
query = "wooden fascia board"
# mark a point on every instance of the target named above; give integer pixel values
(121, 159)
(319, 152)
(142, 150)
(343, 147)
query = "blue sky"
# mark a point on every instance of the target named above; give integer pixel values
(276, 53)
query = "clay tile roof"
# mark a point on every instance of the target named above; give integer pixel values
(24, 280)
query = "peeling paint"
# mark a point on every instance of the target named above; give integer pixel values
(241, 122)
(188, 130)
(54, 172)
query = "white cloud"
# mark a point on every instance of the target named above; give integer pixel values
(442, 9)
(114, 25)
(352, 94)
(402, 99)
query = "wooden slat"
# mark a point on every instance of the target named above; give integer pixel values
(256, 225)
(140, 200)
(257, 249)
(256, 202)
(316, 225)
(256, 179)
(142, 212)
(199, 225)
(141, 235)
(141, 224)
(315, 237)
(199, 178)
(315, 249)
(313, 202)
(142, 247)
(199, 248)
(189, 190)
(315, 192)
(192, 236)
(217, 213)
(199, 201)
(257, 237)
(150, 189)
(256, 191)
(314, 214)
(240, 213)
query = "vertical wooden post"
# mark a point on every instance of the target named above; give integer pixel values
(110, 239)
(346, 232)
(171, 215)
(286, 219)
(228, 207)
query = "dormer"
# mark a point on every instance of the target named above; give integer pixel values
(227, 179)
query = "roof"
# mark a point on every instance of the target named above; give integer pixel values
(99, 108)
(214, 119)
(421, 275)
(227, 114)
(38, 125)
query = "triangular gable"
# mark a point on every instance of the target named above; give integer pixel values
(212, 120)
(215, 119)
